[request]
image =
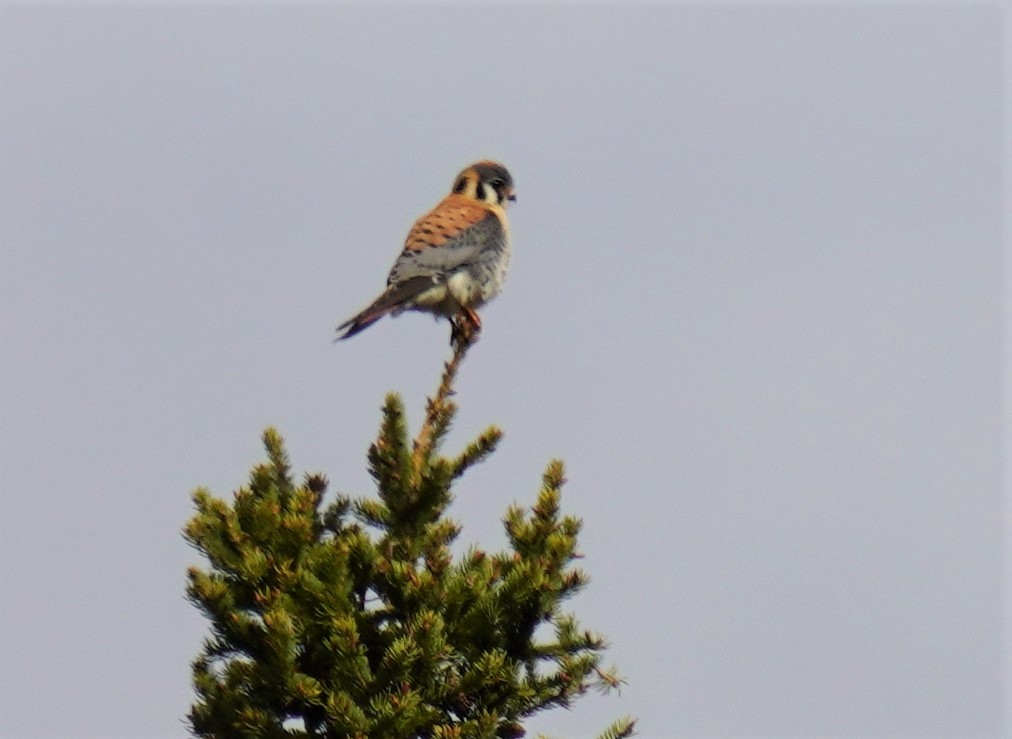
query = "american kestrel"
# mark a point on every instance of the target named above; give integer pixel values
(455, 257)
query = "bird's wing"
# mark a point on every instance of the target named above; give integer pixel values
(452, 236)
(454, 215)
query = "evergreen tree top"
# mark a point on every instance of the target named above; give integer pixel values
(353, 619)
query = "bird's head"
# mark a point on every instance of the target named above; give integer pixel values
(487, 181)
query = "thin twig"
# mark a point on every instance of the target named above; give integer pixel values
(436, 405)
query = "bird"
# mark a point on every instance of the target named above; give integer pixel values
(454, 259)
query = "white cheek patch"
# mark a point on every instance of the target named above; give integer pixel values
(488, 193)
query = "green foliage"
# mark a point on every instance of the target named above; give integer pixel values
(355, 618)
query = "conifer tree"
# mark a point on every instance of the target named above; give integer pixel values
(353, 619)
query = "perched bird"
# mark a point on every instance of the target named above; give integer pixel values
(455, 257)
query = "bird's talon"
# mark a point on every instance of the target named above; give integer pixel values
(465, 329)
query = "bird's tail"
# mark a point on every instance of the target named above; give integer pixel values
(396, 298)
(360, 323)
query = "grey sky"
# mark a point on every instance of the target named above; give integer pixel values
(755, 305)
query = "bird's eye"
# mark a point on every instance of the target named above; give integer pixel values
(498, 182)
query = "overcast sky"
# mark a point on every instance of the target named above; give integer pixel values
(755, 304)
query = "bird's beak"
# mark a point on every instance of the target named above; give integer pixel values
(511, 196)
